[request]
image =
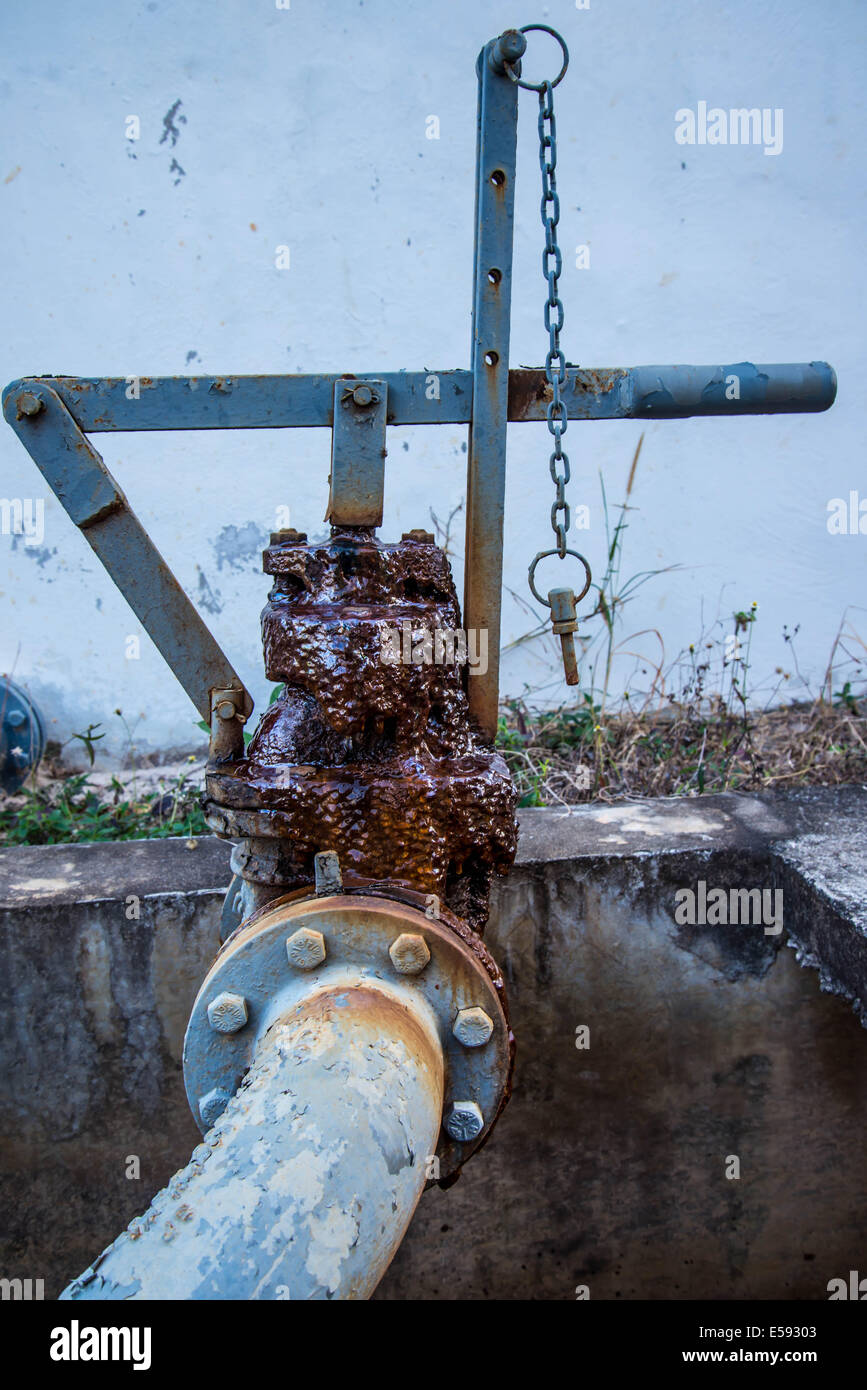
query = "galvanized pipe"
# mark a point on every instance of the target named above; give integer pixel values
(306, 1184)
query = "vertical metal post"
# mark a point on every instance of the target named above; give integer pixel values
(492, 292)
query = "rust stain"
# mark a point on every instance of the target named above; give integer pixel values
(530, 392)
(374, 759)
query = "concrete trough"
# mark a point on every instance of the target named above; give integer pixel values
(712, 1050)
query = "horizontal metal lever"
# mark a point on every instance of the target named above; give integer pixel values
(104, 404)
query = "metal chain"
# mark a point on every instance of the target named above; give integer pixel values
(555, 362)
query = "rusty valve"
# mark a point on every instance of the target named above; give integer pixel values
(564, 621)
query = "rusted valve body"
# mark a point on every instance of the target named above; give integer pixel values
(367, 756)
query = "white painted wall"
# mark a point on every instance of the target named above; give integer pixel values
(306, 126)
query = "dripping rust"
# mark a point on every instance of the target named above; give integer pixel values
(371, 756)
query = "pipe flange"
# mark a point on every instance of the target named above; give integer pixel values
(289, 948)
(22, 736)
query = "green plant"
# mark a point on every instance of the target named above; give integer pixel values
(75, 811)
(89, 739)
(845, 697)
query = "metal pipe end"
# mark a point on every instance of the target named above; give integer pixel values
(507, 49)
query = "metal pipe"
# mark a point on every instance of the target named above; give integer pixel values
(306, 1184)
(742, 388)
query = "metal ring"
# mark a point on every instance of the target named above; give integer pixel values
(541, 556)
(538, 86)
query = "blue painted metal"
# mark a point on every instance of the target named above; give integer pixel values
(358, 453)
(497, 117)
(22, 736)
(356, 936)
(100, 406)
(308, 1176)
(660, 393)
(82, 483)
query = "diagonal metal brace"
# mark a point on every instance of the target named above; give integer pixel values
(85, 488)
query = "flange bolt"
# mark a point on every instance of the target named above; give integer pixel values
(227, 1013)
(464, 1121)
(306, 949)
(473, 1027)
(409, 954)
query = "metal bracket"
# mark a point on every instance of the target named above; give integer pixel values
(358, 452)
(83, 485)
(228, 715)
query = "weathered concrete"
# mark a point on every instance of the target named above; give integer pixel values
(608, 1167)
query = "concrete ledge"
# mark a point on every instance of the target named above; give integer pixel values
(608, 1167)
(57, 875)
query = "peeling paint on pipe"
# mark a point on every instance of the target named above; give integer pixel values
(304, 1187)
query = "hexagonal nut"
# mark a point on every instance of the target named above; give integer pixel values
(227, 1013)
(28, 404)
(473, 1027)
(305, 948)
(464, 1121)
(409, 953)
(212, 1105)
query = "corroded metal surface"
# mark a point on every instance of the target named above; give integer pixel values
(374, 758)
(104, 405)
(282, 952)
(305, 1185)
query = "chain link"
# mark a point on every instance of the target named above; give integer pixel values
(555, 362)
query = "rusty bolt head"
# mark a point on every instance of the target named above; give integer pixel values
(226, 709)
(362, 395)
(288, 536)
(227, 1013)
(416, 534)
(464, 1121)
(306, 948)
(212, 1105)
(409, 953)
(473, 1027)
(28, 404)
